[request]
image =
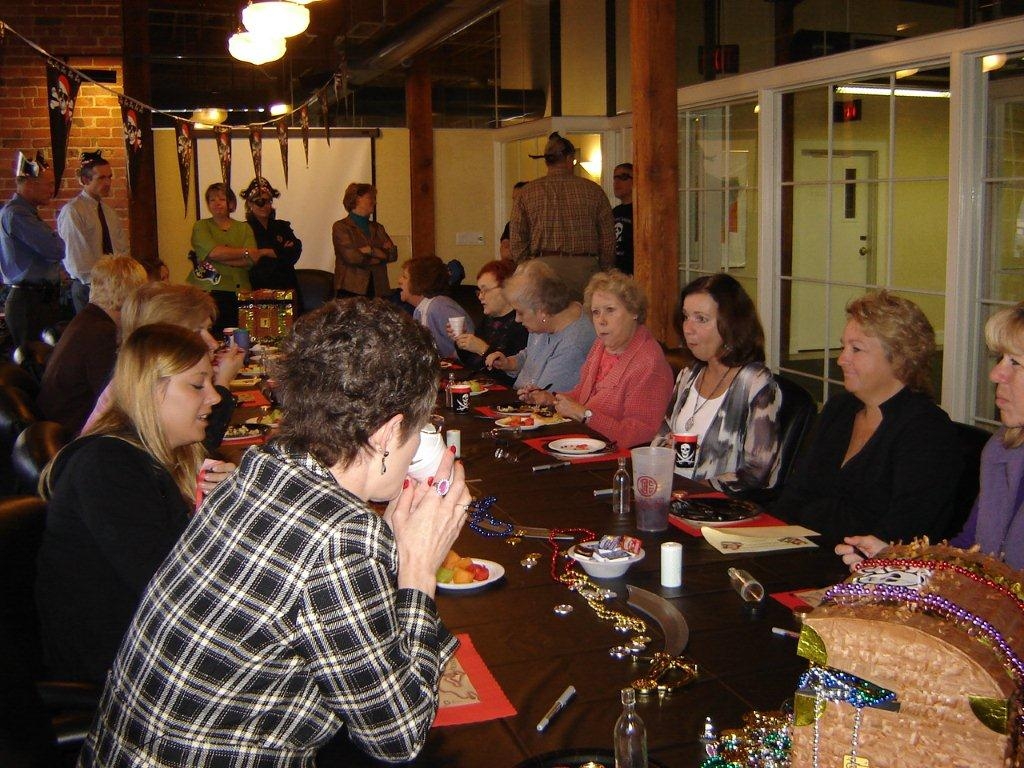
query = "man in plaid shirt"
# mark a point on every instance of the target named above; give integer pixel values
(289, 609)
(563, 220)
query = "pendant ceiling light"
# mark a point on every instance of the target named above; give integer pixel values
(256, 49)
(277, 19)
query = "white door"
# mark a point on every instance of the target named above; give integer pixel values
(834, 229)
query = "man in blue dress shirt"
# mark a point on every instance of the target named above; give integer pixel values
(30, 252)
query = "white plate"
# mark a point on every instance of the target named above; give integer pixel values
(495, 570)
(507, 424)
(523, 412)
(576, 446)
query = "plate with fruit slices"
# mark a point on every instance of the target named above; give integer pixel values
(460, 574)
(524, 423)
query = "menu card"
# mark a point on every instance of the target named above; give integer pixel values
(732, 541)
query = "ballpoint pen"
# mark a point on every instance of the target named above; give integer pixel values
(557, 707)
(556, 465)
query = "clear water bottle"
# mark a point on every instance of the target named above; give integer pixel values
(620, 489)
(630, 735)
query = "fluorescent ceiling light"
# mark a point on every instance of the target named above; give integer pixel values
(275, 19)
(885, 90)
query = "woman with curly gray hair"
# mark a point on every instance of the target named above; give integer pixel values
(885, 458)
(288, 592)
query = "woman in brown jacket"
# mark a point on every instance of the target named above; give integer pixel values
(362, 248)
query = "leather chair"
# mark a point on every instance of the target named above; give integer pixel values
(33, 449)
(13, 375)
(316, 288)
(41, 723)
(16, 413)
(32, 356)
(971, 440)
(52, 334)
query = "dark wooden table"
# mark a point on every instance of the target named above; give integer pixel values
(534, 653)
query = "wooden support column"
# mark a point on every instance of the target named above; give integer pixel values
(420, 120)
(142, 201)
(655, 161)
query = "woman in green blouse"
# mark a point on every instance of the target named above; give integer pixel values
(223, 251)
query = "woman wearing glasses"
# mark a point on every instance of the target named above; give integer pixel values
(499, 331)
(271, 232)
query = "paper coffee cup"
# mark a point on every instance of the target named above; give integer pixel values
(685, 446)
(458, 325)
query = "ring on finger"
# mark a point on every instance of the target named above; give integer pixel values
(443, 486)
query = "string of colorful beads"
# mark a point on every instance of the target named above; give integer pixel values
(941, 565)
(836, 685)
(479, 512)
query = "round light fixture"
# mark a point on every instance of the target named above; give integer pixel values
(992, 62)
(210, 115)
(275, 19)
(256, 49)
(279, 109)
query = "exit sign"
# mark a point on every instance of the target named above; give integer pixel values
(846, 111)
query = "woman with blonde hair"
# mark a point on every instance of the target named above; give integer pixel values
(119, 498)
(362, 248)
(81, 363)
(625, 384)
(885, 459)
(996, 522)
(193, 309)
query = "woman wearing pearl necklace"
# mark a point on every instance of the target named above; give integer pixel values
(726, 396)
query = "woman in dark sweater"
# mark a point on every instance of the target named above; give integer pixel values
(119, 497)
(885, 458)
(499, 331)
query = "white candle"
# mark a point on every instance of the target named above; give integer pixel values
(671, 564)
(455, 438)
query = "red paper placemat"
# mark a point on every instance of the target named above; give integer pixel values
(251, 398)
(763, 519)
(469, 692)
(539, 443)
(799, 598)
(486, 410)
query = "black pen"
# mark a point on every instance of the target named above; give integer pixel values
(556, 465)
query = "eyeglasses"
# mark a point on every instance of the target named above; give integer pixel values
(622, 177)
(482, 291)
(259, 202)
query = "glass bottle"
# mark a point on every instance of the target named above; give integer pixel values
(448, 391)
(620, 489)
(630, 735)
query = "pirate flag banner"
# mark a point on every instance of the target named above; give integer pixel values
(133, 113)
(62, 85)
(184, 140)
(282, 141)
(325, 114)
(256, 148)
(223, 134)
(304, 125)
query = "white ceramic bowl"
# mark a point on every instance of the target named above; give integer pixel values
(605, 569)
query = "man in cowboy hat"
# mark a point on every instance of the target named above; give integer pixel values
(563, 220)
(30, 252)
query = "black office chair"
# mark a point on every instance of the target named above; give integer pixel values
(971, 440)
(52, 334)
(13, 375)
(33, 449)
(16, 413)
(796, 415)
(41, 723)
(316, 288)
(32, 356)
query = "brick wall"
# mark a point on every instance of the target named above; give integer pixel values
(86, 34)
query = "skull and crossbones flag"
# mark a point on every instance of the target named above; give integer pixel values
(133, 117)
(256, 148)
(304, 125)
(223, 134)
(282, 141)
(62, 85)
(184, 140)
